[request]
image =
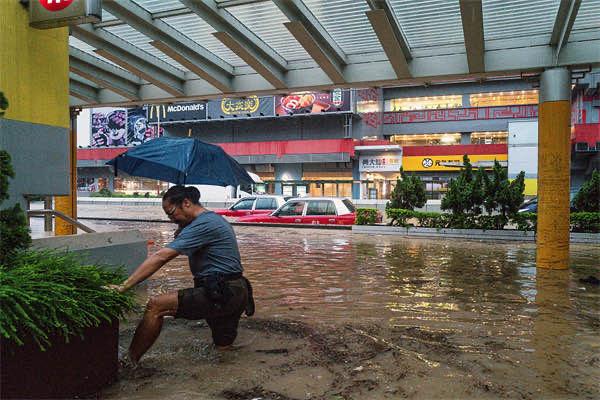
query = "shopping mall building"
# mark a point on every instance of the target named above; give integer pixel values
(352, 143)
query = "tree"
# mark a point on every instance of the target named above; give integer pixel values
(408, 193)
(3, 104)
(465, 193)
(502, 195)
(588, 197)
(14, 232)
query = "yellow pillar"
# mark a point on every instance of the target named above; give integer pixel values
(68, 204)
(34, 71)
(554, 155)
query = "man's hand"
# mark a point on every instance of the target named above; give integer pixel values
(119, 288)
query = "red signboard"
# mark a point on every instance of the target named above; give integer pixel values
(460, 114)
(55, 5)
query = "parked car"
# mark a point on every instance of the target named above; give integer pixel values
(253, 205)
(531, 204)
(309, 210)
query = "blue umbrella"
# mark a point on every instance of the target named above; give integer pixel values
(181, 161)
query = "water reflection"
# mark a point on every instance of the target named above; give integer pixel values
(485, 298)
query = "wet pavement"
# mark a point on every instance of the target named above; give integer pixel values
(458, 310)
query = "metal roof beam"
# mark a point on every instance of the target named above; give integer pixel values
(103, 74)
(314, 38)
(367, 71)
(134, 60)
(472, 21)
(565, 18)
(239, 39)
(84, 92)
(387, 31)
(195, 57)
(394, 23)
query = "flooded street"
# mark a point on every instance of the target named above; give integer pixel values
(341, 315)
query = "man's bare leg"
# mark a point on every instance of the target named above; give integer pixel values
(150, 326)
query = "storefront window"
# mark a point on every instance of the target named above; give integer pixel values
(500, 137)
(435, 139)
(424, 103)
(504, 98)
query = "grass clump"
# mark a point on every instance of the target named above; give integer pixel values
(47, 292)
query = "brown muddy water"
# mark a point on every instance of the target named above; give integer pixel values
(346, 316)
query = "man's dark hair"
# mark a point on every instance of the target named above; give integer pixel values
(177, 194)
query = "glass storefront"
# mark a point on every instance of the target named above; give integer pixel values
(424, 103)
(141, 186)
(498, 137)
(431, 139)
(515, 97)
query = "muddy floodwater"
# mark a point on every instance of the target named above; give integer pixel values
(346, 316)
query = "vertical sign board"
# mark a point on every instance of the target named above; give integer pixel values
(46, 14)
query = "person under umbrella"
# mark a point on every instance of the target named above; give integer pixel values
(220, 294)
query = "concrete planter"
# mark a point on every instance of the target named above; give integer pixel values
(474, 234)
(81, 367)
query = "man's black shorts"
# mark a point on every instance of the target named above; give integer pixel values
(222, 319)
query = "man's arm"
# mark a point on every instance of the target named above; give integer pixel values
(148, 267)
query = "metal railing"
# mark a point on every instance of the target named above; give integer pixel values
(62, 216)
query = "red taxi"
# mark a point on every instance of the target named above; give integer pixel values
(309, 210)
(253, 205)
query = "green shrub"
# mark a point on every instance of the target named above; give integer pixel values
(366, 216)
(14, 232)
(408, 193)
(399, 216)
(525, 221)
(585, 222)
(588, 197)
(47, 292)
(432, 219)
(3, 104)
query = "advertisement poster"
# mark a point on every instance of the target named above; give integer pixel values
(248, 107)
(109, 127)
(138, 131)
(166, 113)
(337, 100)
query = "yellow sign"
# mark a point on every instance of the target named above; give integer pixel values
(446, 163)
(237, 106)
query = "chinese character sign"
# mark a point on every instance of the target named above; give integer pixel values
(388, 162)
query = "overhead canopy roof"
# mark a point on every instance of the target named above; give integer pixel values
(175, 50)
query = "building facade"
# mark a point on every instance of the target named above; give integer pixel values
(352, 143)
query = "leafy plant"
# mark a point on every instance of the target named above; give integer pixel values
(588, 197)
(366, 216)
(3, 104)
(465, 193)
(51, 292)
(502, 195)
(409, 192)
(585, 222)
(14, 232)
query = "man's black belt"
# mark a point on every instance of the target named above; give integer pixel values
(224, 277)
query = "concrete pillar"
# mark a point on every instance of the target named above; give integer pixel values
(554, 156)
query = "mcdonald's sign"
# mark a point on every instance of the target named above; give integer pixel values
(171, 113)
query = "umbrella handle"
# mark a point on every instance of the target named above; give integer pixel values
(116, 160)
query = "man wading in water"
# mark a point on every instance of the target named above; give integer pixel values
(220, 293)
